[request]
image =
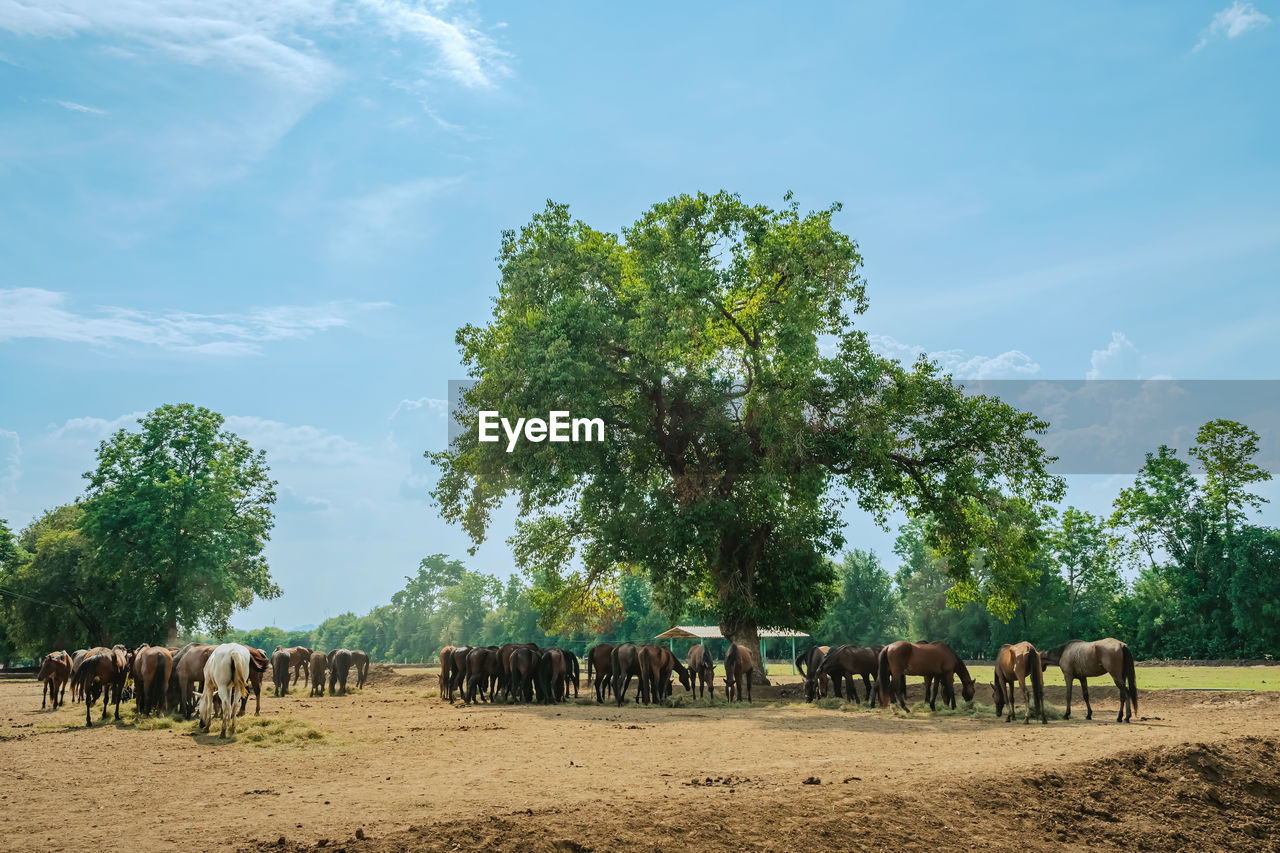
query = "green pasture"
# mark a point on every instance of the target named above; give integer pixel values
(1173, 677)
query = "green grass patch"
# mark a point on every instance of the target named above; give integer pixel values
(1169, 677)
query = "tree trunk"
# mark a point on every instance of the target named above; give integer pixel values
(171, 639)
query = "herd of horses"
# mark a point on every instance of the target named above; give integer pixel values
(197, 679)
(203, 679)
(523, 672)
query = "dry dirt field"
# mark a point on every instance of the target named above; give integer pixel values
(394, 768)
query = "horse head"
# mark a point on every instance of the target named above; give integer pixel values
(686, 680)
(967, 690)
(997, 696)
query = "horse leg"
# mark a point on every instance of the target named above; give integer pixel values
(1026, 697)
(1066, 715)
(1084, 688)
(1124, 699)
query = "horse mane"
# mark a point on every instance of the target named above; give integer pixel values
(962, 670)
(730, 659)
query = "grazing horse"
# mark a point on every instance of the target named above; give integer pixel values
(459, 671)
(738, 668)
(807, 663)
(625, 666)
(1078, 659)
(702, 670)
(484, 665)
(77, 657)
(553, 666)
(505, 681)
(360, 661)
(843, 663)
(1016, 662)
(600, 659)
(55, 671)
(189, 663)
(300, 657)
(656, 665)
(524, 670)
(339, 668)
(102, 670)
(226, 677)
(572, 673)
(152, 668)
(316, 666)
(280, 664)
(931, 660)
(444, 680)
(257, 666)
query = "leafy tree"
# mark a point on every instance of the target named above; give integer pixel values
(866, 609)
(1225, 449)
(731, 435)
(179, 513)
(1085, 553)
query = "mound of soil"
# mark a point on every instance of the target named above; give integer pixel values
(1194, 796)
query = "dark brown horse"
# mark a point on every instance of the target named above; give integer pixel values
(1015, 663)
(152, 667)
(702, 670)
(280, 664)
(656, 665)
(317, 666)
(553, 667)
(931, 660)
(572, 673)
(55, 672)
(102, 671)
(738, 669)
(458, 671)
(484, 665)
(626, 665)
(360, 663)
(507, 683)
(76, 658)
(600, 662)
(524, 671)
(843, 663)
(1078, 659)
(339, 668)
(258, 663)
(807, 663)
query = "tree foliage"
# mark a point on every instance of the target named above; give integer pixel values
(733, 436)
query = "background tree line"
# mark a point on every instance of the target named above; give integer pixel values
(1205, 584)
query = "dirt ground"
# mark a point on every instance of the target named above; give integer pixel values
(393, 768)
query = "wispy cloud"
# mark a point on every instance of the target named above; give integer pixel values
(387, 215)
(433, 404)
(80, 108)
(1011, 364)
(33, 313)
(10, 459)
(1233, 22)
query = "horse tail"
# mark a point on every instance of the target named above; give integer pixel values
(1130, 679)
(1037, 682)
(884, 676)
(159, 687)
(801, 659)
(590, 664)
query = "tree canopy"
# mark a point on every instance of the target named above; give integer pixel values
(715, 339)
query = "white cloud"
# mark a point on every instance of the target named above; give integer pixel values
(389, 214)
(92, 430)
(433, 404)
(1119, 360)
(1012, 364)
(305, 444)
(80, 108)
(1233, 22)
(28, 312)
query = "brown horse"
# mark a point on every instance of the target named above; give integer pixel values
(360, 663)
(189, 663)
(280, 665)
(656, 665)
(317, 665)
(77, 657)
(1016, 662)
(508, 684)
(55, 671)
(738, 668)
(807, 663)
(702, 670)
(600, 663)
(102, 671)
(843, 663)
(444, 681)
(258, 663)
(626, 665)
(524, 671)
(152, 667)
(300, 657)
(458, 672)
(1078, 659)
(931, 660)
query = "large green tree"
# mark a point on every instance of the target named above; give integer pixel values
(742, 407)
(866, 609)
(1086, 554)
(180, 511)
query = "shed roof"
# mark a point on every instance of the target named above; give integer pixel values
(711, 632)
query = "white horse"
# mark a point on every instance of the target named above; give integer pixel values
(226, 676)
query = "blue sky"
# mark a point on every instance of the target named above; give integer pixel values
(284, 210)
